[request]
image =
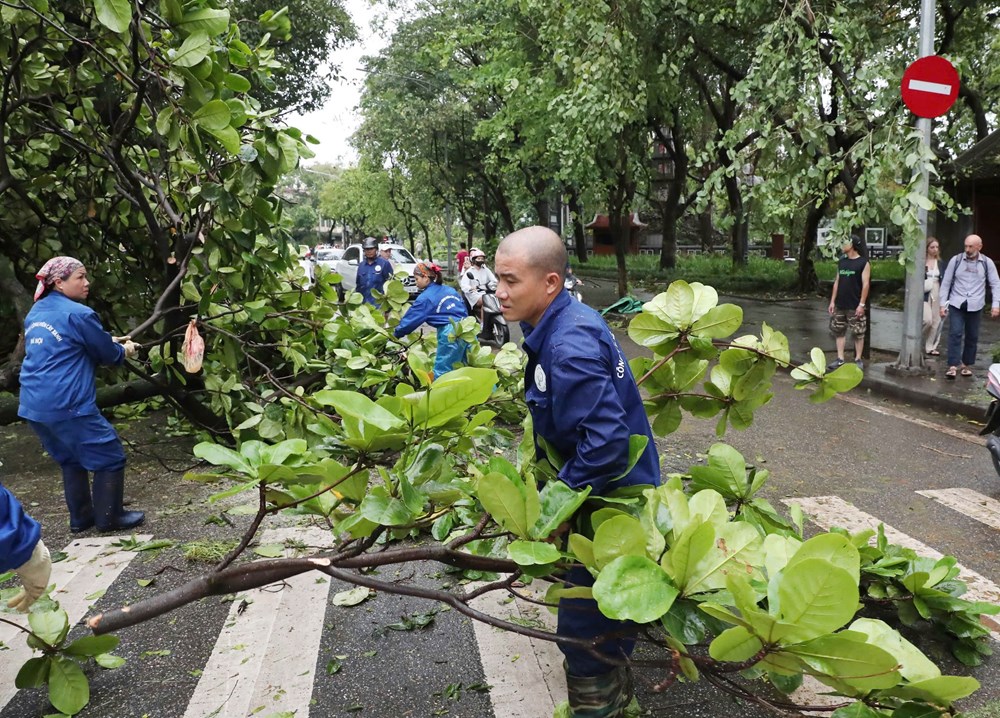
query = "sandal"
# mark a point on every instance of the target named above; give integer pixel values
(933, 353)
(966, 371)
(951, 373)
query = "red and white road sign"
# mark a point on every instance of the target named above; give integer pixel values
(930, 86)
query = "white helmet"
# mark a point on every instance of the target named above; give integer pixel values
(476, 253)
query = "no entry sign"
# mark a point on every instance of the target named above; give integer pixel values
(930, 86)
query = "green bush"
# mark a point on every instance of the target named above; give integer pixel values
(759, 274)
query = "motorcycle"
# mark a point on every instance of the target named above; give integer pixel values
(570, 283)
(993, 416)
(494, 326)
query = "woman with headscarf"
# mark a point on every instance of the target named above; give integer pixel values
(441, 307)
(64, 344)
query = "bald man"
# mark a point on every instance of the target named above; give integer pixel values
(585, 404)
(963, 296)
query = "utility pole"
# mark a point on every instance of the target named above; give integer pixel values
(911, 355)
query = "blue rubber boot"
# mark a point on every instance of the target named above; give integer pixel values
(109, 491)
(76, 487)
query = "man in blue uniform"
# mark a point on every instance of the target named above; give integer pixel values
(21, 549)
(373, 271)
(585, 403)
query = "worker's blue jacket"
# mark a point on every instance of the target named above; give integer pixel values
(64, 343)
(18, 532)
(437, 305)
(372, 276)
(583, 399)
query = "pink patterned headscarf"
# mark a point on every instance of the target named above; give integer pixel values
(55, 268)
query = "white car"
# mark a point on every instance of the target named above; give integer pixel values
(403, 264)
(328, 257)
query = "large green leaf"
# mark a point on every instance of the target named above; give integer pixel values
(688, 549)
(914, 665)
(860, 665)
(223, 456)
(207, 20)
(114, 14)
(633, 588)
(943, 690)
(735, 645)
(50, 626)
(835, 548)
(450, 395)
(718, 322)
(193, 50)
(726, 472)
(815, 597)
(69, 690)
(650, 330)
(618, 536)
(557, 503)
(34, 673)
(92, 645)
(528, 553)
(381, 508)
(513, 505)
(736, 548)
(363, 419)
(213, 115)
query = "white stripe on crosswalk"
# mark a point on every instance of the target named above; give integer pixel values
(973, 504)
(525, 675)
(265, 656)
(91, 565)
(830, 511)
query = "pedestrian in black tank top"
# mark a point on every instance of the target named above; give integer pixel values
(847, 302)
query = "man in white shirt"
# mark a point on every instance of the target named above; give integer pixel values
(963, 297)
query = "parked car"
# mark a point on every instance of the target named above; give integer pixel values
(403, 264)
(328, 257)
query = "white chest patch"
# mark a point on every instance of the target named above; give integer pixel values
(540, 381)
(378, 268)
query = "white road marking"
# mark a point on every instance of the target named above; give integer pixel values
(265, 657)
(886, 411)
(937, 88)
(92, 564)
(830, 511)
(525, 675)
(973, 504)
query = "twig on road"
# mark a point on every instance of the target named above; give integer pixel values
(938, 451)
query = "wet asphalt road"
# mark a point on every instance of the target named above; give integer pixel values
(875, 461)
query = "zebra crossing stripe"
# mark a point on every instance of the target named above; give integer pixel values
(973, 504)
(264, 660)
(830, 511)
(525, 675)
(91, 565)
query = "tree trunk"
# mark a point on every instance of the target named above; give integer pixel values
(808, 281)
(21, 299)
(668, 252)
(740, 231)
(543, 211)
(618, 236)
(579, 232)
(706, 231)
(107, 396)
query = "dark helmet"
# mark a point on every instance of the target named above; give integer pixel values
(369, 243)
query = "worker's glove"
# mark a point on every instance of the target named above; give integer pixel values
(34, 575)
(131, 349)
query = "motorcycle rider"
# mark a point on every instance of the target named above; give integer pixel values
(473, 282)
(373, 271)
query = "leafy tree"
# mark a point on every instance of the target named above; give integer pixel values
(131, 140)
(305, 34)
(384, 453)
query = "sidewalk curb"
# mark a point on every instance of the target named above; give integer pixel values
(943, 404)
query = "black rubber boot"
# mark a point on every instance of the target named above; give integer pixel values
(109, 488)
(603, 696)
(76, 487)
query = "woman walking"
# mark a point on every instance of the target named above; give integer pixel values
(64, 344)
(932, 298)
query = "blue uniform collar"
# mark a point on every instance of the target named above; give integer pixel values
(535, 336)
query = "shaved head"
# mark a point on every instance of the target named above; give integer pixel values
(531, 266)
(539, 246)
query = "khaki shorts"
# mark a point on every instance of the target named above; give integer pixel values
(843, 320)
